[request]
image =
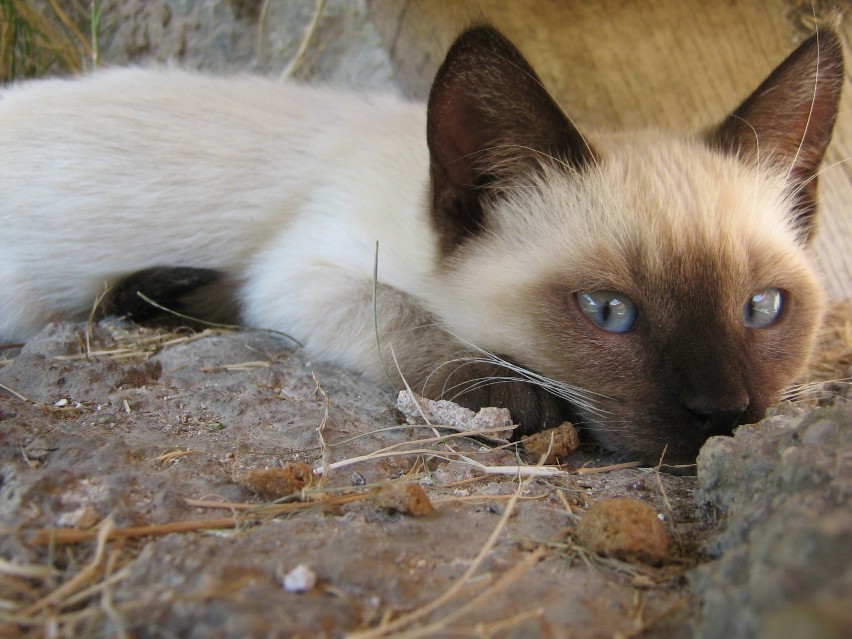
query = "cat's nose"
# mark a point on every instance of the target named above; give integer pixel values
(715, 418)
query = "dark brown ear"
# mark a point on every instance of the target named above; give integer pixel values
(789, 119)
(489, 119)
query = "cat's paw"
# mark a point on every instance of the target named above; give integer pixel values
(479, 385)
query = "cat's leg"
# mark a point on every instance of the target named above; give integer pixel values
(476, 384)
(331, 312)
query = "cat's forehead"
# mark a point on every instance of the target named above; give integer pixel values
(685, 186)
(657, 213)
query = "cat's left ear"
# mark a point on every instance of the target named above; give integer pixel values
(789, 119)
(490, 121)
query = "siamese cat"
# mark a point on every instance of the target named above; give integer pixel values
(655, 291)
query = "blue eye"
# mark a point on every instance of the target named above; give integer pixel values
(763, 308)
(609, 310)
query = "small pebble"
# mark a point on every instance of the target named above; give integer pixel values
(445, 413)
(300, 579)
(408, 499)
(557, 443)
(624, 528)
(275, 483)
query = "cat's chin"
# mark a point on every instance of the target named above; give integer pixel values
(662, 432)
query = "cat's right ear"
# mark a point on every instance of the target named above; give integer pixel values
(489, 119)
(789, 119)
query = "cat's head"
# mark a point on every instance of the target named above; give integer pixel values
(667, 279)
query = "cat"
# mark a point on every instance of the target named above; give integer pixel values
(655, 291)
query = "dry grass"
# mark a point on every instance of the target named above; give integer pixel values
(128, 342)
(458, 601)
(45, 601)
(41, 38)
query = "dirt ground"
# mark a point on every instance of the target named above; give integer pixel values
(148, 441)
(128, 507)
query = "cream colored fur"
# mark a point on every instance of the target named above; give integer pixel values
(285, 187)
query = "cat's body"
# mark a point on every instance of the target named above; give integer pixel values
(491, 228)
(189, 172)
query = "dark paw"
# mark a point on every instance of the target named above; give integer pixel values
(478, 385)
(200, 292)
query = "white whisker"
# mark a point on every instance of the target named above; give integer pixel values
(812, 391)
(811, 110)
(819, 173)
(579, 398)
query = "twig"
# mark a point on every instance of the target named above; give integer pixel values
(660, 482)
(45, 536)
(299, 58)
(173, 455)
(27, 571)
(262, 511)
(606, 469)
(393, 449)
(499, 627)
(107, 602)
(90, 321)
(213, 324)
(261, 22)
(522, 471)
(446, 455)
(108, 581)
(320, 430)
(15, 393)
(240, 366)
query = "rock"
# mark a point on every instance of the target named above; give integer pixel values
(557, 443)
(408, 499)
(784, 487)
(624, 528)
